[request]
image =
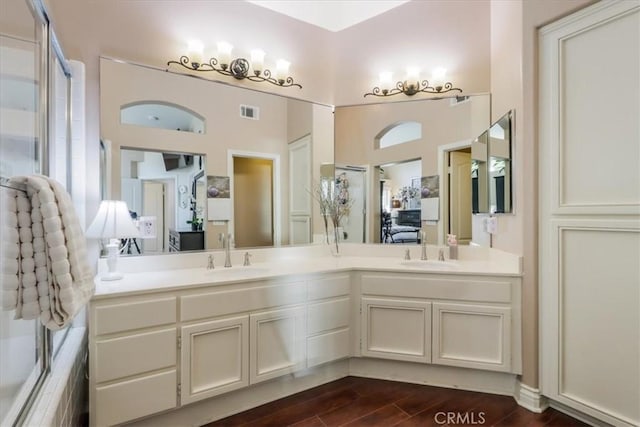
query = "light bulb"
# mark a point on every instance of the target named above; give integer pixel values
(224, 53)
(438, 77)
(386, 79)
(413, 74)
(257, 60)
(194, 51)
(282, 68)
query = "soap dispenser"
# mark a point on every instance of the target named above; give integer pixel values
(453, 246)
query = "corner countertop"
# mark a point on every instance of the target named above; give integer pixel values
(179, 272)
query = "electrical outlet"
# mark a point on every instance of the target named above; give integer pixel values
(491, 225)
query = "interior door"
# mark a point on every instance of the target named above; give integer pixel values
(299, 191)
(253, 202)
(153, 204)
(460, 196)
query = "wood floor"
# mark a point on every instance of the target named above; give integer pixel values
(354, 401)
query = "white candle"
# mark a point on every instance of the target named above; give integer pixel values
(224, 53)
(257, 60)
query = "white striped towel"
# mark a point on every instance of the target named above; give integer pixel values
(43, 259)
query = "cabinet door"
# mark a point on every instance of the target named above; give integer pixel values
(396, 329)
(277, 343)
(472, 336)
(215, 357)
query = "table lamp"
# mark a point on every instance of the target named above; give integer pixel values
(112, 222)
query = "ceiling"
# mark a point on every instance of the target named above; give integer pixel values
(332, 15)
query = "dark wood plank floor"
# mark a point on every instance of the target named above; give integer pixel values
(354, 401)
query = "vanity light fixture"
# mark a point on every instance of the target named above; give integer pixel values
(238, 68)
(412, 84)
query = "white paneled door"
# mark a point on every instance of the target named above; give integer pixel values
(300, 191)
(589, 169)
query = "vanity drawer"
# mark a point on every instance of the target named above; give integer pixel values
(213, 304)
(327, 347)
(328, 315)
(128, 316)
(135, 354)
(328, 287)
(128, 400)
(483, 290)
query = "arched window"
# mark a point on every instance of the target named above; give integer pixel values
(398, 133)
(163, 115)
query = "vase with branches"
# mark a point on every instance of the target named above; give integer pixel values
(335, 204)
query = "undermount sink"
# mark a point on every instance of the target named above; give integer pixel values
(238, 271)
(431, 264)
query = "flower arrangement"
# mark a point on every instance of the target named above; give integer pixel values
(335, 203)
(408, 193)
(196, 220)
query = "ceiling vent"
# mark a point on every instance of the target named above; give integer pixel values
(460, 99)
(249, 112)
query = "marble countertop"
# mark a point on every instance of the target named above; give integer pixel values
(142, 280)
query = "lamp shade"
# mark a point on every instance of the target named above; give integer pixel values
(112, 221)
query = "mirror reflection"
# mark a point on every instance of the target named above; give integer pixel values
(479, 173)
(262, 152)
(165, 194)
(491, 167)
(500, 134)
(415, 157)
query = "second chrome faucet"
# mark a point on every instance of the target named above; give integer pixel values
(423, 244)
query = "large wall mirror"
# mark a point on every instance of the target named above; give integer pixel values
(410, 166)
(196, 158)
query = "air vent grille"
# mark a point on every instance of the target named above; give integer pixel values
(460, 99)
(249, 112)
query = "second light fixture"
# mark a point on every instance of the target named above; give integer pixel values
(412, 84)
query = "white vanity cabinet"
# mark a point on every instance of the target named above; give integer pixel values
(470, 322)
(221, 344)
(328, 318)
(396, 329)
(133, 353)
(215, 357)
(277, 343)
(472, 336)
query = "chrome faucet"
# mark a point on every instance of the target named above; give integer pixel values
(423, 244)
(210, 265)
(247, 261)
(227, 241)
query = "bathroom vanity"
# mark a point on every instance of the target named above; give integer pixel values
(194, 345)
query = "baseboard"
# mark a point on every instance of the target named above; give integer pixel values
(434, 375)
(221, 406)
(602, 420)
(530, 398)
(224, 405)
